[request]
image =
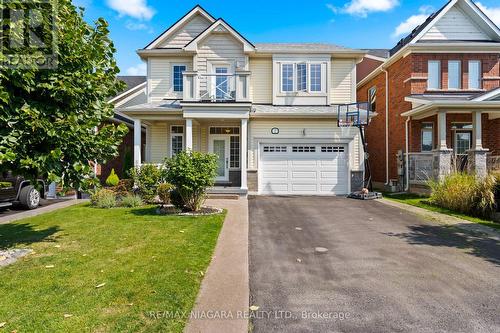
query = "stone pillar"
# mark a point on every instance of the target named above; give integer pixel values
(189, 134)
(137, 142)
(243, 153)
(477, 159)
(442, 155)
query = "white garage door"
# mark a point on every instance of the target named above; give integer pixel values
(320, 169)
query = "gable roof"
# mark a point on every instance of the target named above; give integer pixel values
(196, 10)
(433, 19)
(192, 45)
(300, 47)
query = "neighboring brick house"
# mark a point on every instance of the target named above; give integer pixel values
(131, 95)
(371, 61)
(438, 97)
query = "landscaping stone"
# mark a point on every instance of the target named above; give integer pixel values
(8, 257)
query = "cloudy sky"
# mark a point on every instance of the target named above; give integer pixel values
(354, 23)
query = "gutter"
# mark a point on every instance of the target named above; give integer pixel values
(407, 157)
(386, 126)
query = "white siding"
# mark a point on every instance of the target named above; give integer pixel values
(159, 144)
(186, 33)
(160, 76)
(294, 129)
(218, 48)
(455, 25)
(261, 80)
(343, 81)
(139, 99)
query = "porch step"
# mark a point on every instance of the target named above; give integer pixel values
(223, 196)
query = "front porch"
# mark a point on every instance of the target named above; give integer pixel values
(222, 132)
(447, 140)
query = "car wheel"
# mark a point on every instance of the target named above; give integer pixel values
(29, 197)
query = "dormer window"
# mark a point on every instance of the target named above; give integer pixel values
(301, 77)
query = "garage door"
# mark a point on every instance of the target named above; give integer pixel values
(314, 169)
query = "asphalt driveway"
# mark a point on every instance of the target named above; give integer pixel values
(385, 270)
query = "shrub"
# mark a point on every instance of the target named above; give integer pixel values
(192, 173)
(176, 200)
(103, 199)
(128, 163)
(112, 179)
(164, 190)
(131, 201)
(5, 184)
(465, 193)
(146, 179)
(124, 187)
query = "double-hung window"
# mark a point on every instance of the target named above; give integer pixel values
(287, 74)
(427, 137)
(176, 139)
(474, 74)
(454, 74)
(301, 77)
(178, 81)
(315, 77)
(434, 75)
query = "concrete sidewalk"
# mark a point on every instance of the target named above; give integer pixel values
(225, 287)
(41, 210)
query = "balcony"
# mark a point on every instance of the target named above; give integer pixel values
(216, 88)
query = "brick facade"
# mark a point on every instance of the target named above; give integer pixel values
(408, 76)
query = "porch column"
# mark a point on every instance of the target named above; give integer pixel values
(477, 159)
(442, 155)
(137, 142)
(243, 153)
(189, 134)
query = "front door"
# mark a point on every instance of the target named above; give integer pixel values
(219, 145)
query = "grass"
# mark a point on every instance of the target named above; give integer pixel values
(148, 263)
(422, 202)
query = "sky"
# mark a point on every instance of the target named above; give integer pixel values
(350, 23)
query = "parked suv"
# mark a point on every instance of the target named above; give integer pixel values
(17, 190)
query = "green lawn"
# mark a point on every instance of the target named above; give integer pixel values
(146, 262)
(422, 202)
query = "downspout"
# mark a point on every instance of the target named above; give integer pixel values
(386, 126)
(407, 157)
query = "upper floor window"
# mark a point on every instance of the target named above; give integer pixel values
(287, 77)
(372, 99)
(474, 74)
(316, 77)
(454, 74)
(434, 74)
(301, 76)
(177, 77)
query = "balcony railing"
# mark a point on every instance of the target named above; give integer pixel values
(216, 88)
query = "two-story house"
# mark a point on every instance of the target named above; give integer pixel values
(437, 97)
(268, 111)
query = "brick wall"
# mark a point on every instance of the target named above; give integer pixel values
(489, 62)
(365, 67)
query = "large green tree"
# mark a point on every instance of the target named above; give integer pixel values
(49, 117)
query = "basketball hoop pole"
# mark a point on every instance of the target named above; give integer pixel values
(349, 115)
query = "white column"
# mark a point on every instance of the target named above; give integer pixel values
(189, 134)
(442, 131)
(476, 123)
(137, 142)
(243, 153)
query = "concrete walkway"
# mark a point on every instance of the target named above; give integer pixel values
(446, 219)
(41, 210)
(225, 288)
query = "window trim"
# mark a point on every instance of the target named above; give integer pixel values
(459, 74)
(439, 76)
(308, 90)
(320, 78)
(479, 73)
(182, 77)
(374, 100)
(172, 135)
(282, 77)
(423, 129)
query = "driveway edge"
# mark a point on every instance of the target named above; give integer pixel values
(225, 289)
(40, 210)
(445, 219)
